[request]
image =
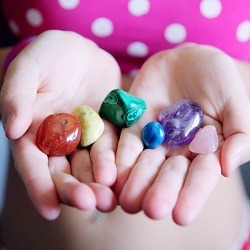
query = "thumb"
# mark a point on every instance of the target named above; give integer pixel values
(18, 95)
(236, 128)
(235, 152)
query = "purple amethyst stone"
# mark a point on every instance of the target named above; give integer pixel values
(181, 122)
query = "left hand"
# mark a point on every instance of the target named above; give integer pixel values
(174, 180)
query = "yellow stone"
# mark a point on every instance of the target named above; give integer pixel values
(92, 125)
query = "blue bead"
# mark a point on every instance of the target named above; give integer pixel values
(153, 135)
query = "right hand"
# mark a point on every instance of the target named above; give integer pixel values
(55, 73)
(173, 179)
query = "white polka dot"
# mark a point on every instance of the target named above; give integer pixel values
(175, 33)
(34, 17)
(133, 73)
(138, 7)
(68, 4)
(102, 27)
(243, 32)
(14, 27)
(138, 49)
(210, 8)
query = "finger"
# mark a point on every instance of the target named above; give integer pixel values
(129, 148)
(105, 198)
(82, 169)
(36, 177)
(162, 196)
(70, 191)
(140, 179)
(18, 95)
(81, 166)
(236, 129)
(103, 156)
(203, 176)
(235, 152)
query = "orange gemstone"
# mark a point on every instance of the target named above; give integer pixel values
(59, 134)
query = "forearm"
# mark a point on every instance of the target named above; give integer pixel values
(244, 69)
(3, 54)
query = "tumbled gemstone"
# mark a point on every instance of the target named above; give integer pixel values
(59, 134)
(122, 108)
(205, 141)
(181, 121)
(152, 135)
(92, 125)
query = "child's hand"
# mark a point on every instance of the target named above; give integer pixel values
(56, 73)
(173, 180)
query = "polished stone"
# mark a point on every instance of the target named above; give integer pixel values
(91, 124)
(181, 122)
(59, 134)
(153, 135)
(205, 141)
(122, 108)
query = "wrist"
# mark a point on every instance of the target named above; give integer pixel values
(12, 53)
(244, 70)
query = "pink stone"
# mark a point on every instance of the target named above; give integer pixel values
(205, 141)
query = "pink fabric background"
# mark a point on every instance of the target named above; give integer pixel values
(135, 29)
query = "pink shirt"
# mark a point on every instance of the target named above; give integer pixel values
(132, 30)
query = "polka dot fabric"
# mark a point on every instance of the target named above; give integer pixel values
(133, 30)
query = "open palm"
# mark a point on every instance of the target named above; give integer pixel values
(174, 180)
(56, 73)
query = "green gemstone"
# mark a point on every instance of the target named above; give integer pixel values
(122, 108)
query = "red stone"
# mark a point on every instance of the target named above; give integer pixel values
(59, 134)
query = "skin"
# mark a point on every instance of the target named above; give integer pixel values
(174, 180)
(35, 87)
(3, 54)
(141, 178)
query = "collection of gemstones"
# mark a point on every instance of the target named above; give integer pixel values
(179, 124)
